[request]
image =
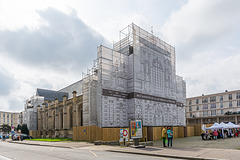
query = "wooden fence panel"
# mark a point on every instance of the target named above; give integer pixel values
(180, 132)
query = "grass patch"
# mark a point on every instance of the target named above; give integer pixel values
(50, 139)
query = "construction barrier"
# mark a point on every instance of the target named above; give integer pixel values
(94, 133)
(35, 133)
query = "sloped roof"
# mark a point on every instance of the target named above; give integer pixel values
(50, 95)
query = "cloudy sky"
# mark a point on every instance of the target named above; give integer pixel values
(48, 43)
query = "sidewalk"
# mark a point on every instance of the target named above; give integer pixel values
(183, 153)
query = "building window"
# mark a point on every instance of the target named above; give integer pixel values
(230, 97)
(205, 106)
(230, 104)
(221, 105)
(197, 108)
(238, 102)
(205, 100)
(11, 116)
(221, 98)
(205, 113)
(213, 99)
(190, 102)
(190, 108)
(197, 101)
(190, 114)
(213, 105)
(222, 111)
(213, 113)
(238, 95)
(7, 115)
(3, 115)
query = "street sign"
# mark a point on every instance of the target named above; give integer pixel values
(125, 133)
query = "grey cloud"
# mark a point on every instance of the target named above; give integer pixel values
(6, 84)
(65, 44)
(16, 105)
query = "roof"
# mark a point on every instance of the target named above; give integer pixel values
(50, 95)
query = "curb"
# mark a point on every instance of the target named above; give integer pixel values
(164, 155)
(41, 145)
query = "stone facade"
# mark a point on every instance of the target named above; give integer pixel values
(56, 119)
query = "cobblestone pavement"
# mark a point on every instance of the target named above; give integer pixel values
(197, 142)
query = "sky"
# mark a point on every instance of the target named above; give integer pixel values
(49, 44)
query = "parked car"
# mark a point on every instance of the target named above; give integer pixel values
(6, 136)
(22, 136)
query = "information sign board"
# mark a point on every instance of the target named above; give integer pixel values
(136, 128)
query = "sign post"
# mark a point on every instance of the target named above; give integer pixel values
(123, 136)
(136, 131)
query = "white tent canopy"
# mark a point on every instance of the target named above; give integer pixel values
(215, 126)
(233, 125)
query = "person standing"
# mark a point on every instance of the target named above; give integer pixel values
(164, 136)
(170, 136)
(215, 134)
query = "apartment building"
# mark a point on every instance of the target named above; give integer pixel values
(219, 107)
(10, 118)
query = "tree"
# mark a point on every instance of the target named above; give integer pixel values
(25, 129)
(19, 127)
(6, 128)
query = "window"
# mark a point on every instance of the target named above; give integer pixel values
(222, 111)
(230, 104)
(205, 113)
(197, 108)
(190, 102)
(7, 115)
(205, 100)
(221, 98)
(221, 105)
(190, 108)
(238, 102)
(3, 115)
(213, 99)
(11, 116)
(238, 95)
(197, 101)
(205, 106)
(190, 114)
(213, 113)
(230, 97)
(213, 105)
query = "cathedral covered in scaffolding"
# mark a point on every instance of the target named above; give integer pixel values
(134, 80)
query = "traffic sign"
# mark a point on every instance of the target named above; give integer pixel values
(125, 133)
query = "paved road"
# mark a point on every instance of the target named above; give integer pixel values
(11, 151)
